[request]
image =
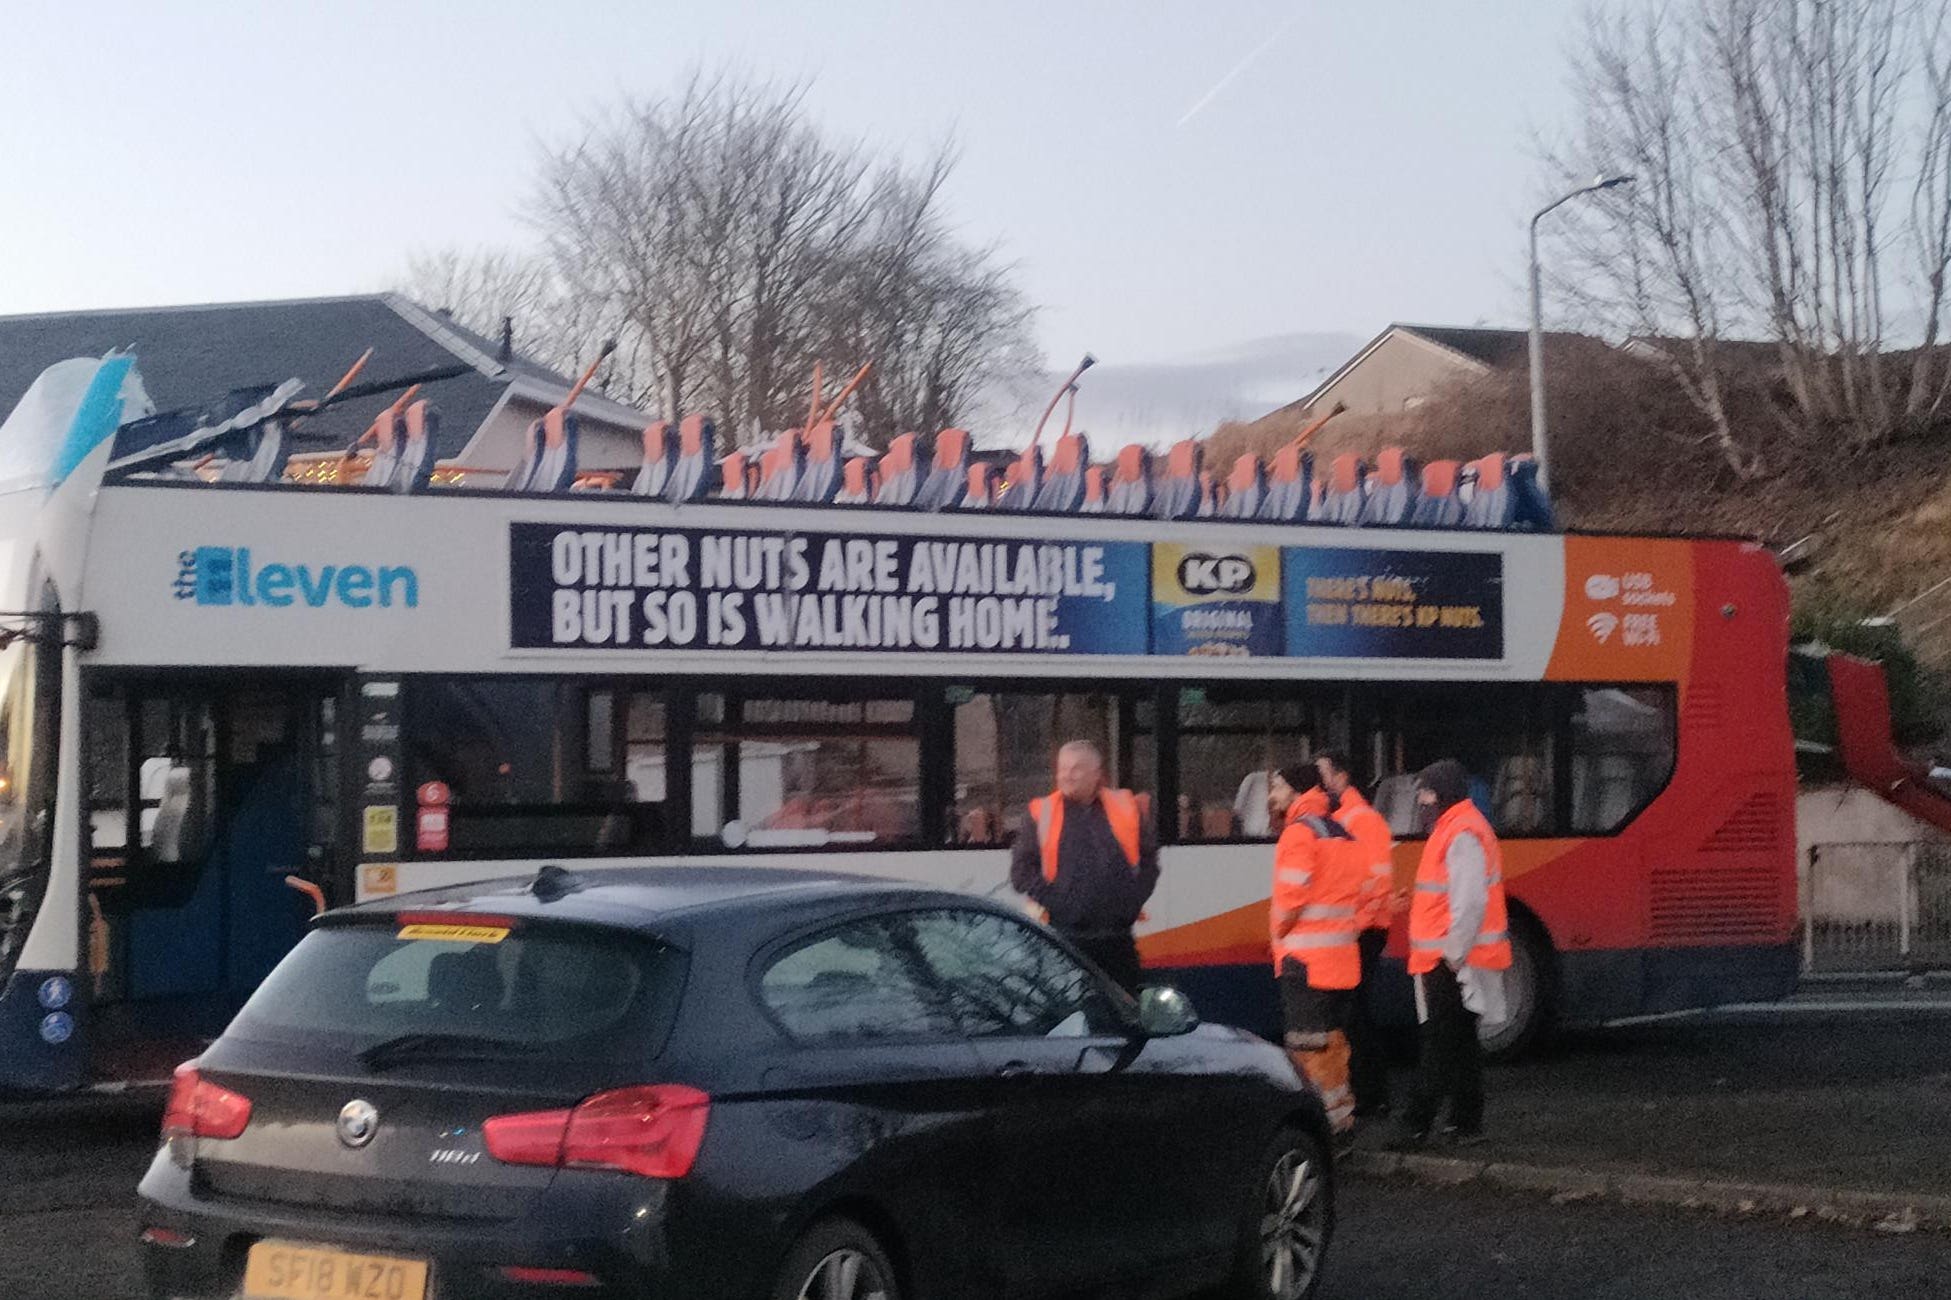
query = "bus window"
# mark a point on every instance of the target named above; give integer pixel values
(624, 735)
(791, 772)
(599, 732)
(541, 765)
(1505, 735)
(29, 700)
(643, 746)
(178, 777)
(1006, 748)
(150, 762)
(106, 731)
(1622, 753)
(152, 770)
(1228, 743)
(325, 779)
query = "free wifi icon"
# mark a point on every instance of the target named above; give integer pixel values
(1603, 625)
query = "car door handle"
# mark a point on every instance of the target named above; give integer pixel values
(1014, 1069)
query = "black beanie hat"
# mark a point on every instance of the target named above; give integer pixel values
(1448, 780)
(1299, 776)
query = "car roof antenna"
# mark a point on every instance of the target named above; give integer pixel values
(552, 882)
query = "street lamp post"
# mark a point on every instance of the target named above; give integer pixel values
(1539, 441)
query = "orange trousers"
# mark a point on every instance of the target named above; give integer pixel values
(1327, 1069)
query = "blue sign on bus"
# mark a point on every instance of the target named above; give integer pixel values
(1386, 604)
(668, 588)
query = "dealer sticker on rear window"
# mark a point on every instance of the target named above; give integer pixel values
(455, 933)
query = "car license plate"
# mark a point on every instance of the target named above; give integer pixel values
(283, 1270)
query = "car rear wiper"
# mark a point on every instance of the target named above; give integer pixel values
(453, 1047)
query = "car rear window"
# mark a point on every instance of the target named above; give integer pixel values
(577, 993)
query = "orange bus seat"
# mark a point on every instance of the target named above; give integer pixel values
(1130, 490)
(948, 472)
(898, 475)
(660, 460)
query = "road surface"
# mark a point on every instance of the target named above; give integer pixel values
(67, 1233)
(67, 1222)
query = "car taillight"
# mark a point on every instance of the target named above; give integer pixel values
(654, 1131)
(200, 1108)
(532, 1137)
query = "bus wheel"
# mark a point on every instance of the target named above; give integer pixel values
(1530, 989)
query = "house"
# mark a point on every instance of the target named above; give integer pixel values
(1403, 366)
(193, 355)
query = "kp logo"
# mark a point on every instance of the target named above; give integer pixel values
(1603, 625)
(1214, 575)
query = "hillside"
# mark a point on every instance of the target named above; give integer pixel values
(1630, 454)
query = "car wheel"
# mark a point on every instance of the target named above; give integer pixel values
(1529, 994)
(836, 1260)
(1284, 1241)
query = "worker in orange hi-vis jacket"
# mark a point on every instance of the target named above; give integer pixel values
(1088, 855)
(1459, 949)
(1316, 896)
(1368, 1066)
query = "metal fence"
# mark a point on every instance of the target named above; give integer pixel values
(1876, 906)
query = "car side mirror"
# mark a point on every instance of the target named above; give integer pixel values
(1164, 1012)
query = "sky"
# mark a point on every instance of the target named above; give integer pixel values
(1172, 180)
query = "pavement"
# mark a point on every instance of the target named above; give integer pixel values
(1823, 1107)
(1408, 1241)
(1396, 1240)
(67, 1201)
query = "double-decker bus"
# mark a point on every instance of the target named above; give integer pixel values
(228, 697)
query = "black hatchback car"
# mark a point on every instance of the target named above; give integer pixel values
(724, 1082)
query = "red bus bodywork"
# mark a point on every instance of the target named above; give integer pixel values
(1692, 902)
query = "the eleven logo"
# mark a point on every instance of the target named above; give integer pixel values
(1214, 575)
(226, 575)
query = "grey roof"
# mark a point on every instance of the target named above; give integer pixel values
(1750, 351)
(1490, 346)
(1485, 347)
(193, 355)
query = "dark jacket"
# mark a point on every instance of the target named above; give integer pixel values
(1096, 890)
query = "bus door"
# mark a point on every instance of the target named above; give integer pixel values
(204, 797)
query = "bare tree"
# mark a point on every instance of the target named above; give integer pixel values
(1805, 91)
(942, 321)
(1773, 140)
(1930, 219)
(623, 233)
(482, 289)
(1645, 261)
(729, 244)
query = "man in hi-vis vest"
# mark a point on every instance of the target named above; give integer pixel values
(1459, 949)
(1368, 1066)
(1318, 878)
(1088, 856)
